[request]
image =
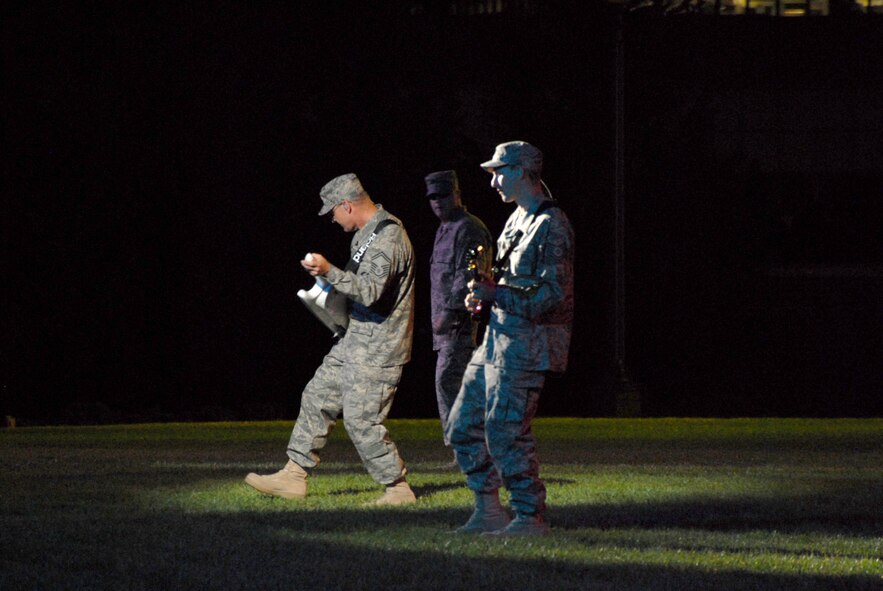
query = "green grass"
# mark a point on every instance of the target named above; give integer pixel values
(634, 504)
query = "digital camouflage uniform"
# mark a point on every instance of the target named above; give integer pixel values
(453, 329)
(528, 336)
(360, 374)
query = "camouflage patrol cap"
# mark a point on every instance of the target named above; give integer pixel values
(442, 184)
(516, 153)
(346, 187)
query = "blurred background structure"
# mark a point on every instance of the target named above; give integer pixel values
(163, 166)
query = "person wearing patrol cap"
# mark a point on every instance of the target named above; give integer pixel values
(527, 338)
(346, 187)
(518, 153)
(454, 329)
(359, 376)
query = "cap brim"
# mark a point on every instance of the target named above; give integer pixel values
(325, 209)
(492, 164)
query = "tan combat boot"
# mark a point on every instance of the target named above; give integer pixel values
(289, 483)
(488, 516)
(397, 493)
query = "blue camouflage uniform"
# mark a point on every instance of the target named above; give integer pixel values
(453, 328)
(360, 375)
(528, 337)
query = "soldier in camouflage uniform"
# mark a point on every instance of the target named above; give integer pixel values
(454, 329)
(360, 374)
(527, 338)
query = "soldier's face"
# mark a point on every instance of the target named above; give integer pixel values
(444, 206)
(504, 180)
(342, 215)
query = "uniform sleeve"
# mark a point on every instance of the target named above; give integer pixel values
(552, 282)
(378, 269)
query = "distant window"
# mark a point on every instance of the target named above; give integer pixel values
(479, 7)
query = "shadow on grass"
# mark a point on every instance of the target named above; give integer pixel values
(426, 490)
(421, 491)
(856, 511)
(328, 550)
(407, 548)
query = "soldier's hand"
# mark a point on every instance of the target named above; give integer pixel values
(315, 264)
(483, 290)
(472, 303)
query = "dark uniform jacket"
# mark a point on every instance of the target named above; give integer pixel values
(449, 275)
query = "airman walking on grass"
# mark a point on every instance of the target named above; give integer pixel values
(360, 374)
(454, 329)
(528, 337)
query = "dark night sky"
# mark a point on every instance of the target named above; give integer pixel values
(163, 167)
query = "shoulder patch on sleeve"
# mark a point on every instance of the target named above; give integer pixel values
(380, 263)
(557, 241)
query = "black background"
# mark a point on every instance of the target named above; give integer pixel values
(163, 165)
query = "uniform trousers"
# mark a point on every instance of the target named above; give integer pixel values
(363, 394)
(490, 431)
(453, 357)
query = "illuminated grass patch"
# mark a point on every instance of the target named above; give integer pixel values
(634, 504)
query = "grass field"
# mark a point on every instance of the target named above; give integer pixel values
(634, 504)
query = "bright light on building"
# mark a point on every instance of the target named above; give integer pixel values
(781, 7)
